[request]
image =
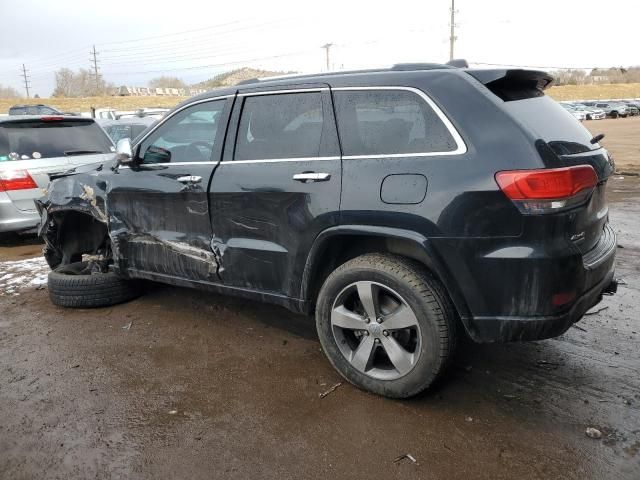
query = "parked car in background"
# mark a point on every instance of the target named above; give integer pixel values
(156, 113)
(129, 127)
(31, 148)
(402, 207)
(632, 108)
(611, 109)
(591, 113)
(577, 114)
(39, 109)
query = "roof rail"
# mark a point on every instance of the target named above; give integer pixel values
(458, 63)
(418, 66)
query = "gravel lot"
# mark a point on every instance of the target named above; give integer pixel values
(185, 384)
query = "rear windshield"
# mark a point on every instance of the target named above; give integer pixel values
(48, 139)
(555, 125)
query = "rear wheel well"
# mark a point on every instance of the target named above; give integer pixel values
(340, 249)
(72, 234)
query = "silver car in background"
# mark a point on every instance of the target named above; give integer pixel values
(31, 148)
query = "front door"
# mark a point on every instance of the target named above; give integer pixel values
(277, 187)
(158, 210)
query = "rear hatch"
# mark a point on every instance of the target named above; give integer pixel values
(33, 148)
(562, 141)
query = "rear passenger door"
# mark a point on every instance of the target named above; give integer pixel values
(277, 187)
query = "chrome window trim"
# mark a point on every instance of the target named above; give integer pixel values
(288, 90)
(175, 112)
(461, 146)
(274, 160)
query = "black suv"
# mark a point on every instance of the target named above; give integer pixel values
(405, 207)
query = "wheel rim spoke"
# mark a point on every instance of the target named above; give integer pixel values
(403, 317)
(368, 294)
(343, 318)
(376, 330)
(361, 358)
(400, 358)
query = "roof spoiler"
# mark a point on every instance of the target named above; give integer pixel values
(513, 84)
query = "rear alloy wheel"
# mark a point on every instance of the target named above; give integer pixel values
(386, 324)
(376, 330)
(83, 285)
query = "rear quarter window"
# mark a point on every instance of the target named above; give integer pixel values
(388, 122)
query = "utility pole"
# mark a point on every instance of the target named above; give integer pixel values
(452, 37)
(94, 60)
(326, 48)
(26, 79)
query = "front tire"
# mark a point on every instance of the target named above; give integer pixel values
(76, 286)
(386, 325)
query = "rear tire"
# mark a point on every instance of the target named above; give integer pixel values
(409, 344)
(72, 286)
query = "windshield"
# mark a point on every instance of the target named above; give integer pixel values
(36, 139)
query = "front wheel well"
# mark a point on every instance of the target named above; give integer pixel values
(71, 234)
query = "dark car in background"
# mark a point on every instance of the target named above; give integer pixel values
(403, 207)
(34, 147)
(39, 109)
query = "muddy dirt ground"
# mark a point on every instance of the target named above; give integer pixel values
(185, 384)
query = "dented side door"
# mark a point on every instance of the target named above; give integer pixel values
(159, 213)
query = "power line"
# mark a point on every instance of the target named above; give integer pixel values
(26, 79)
(170, 34)
(239, 62)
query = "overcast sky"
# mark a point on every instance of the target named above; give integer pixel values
(138, 40)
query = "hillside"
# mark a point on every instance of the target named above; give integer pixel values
(233, 77)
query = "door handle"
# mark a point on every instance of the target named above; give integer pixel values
(311, 177)
(189, 179)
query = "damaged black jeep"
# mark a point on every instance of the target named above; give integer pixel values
(404, 207)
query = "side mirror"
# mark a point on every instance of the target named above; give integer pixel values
(156, 155)
(124, 154)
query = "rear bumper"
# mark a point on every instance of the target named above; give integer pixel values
(511, 329)
(511, 296)
(14, 220)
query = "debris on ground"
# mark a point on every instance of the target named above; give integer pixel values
(127, 326)
(579, 327)
(331, 390)
(593, 433)
(408, 456)
(468, 419)
(596, 311)
(173, 412)
(547, 364)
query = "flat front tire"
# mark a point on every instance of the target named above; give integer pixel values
(386, 324)
(74, 286)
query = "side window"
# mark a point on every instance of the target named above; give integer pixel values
(285, 125)
(47, 111)
(188, 136)
(386, 122)
(33, 111)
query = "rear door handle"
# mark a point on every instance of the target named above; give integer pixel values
(311, 177)
(189, 179)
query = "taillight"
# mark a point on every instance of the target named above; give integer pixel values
(51, 118)
(16, 180)
(548, 190)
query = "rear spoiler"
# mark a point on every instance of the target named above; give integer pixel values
(513, 84)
